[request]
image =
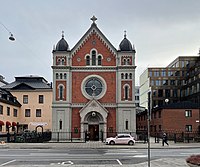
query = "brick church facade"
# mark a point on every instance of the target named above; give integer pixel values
(93, 86)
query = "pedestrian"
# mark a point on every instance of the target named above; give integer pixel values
(164, 141)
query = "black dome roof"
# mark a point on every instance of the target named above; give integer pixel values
(62, 45)
(125, 45)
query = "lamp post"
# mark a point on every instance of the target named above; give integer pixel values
(148, 124)
(11, 38)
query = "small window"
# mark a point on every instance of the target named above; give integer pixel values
(1, 109)
(61, 76)
(57, 76)
(25, 99)
(99, 60)
(126, 76)
(8, 111)
(130, 76)
(126, 124)
(27, 112)
(188, 113)
(14, 112)
(38, 113)
(126, 92)
(122, 76)
(41, 99)
(188, 128)
(65, 76)
(87, 60)
(60, 124)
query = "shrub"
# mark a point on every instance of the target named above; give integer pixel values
(194, 159)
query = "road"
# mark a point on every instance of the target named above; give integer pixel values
(19, 157)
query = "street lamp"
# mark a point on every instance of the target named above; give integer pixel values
(11, 38)
(148, 124)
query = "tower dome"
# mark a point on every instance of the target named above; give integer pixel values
(125, 45)
(62, 45)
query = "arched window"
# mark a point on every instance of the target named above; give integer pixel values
(87, 60)
(128, 61)
(126, 76)
(58, 61)
(99, 60)
(56, 75)
(126, 92)
(93, 57)
(65, 76)
(61, 92)
(122, 76)
(60, 75)
(63, 61)
(130, 76)
(124, 61)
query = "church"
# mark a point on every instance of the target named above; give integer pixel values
(93, 86)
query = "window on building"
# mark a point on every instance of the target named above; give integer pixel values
(99, 61)
(63, 61)
(122, 76)
(8, 111)
(61, 76)
(150, 73)
(1, 109)
(126, 76)
(157, 82)
(163, 73)
(56, 75)
(27, 112)
(165, 82)
(175, 93)
(65, 76)
(38, 113)
(126, 92)
(160, 93)
(14, 112)
(128, 62)
(188, 113)
(172, 82)
(61, 92)
(188, 128)
(167, 92)
(156, 73)
(25, 99)
(87, 60)
(60, 124)
(130, 76)
(126, 124)
(1, 129)
(41, 99)
(93, 57)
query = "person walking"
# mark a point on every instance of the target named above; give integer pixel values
(164, 141)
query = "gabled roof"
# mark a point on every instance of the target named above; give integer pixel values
(93, 29)
(93, 104)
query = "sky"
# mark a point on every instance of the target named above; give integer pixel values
(160, 30)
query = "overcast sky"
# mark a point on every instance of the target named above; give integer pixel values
(160, 30)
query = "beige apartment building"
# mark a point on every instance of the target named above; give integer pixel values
(34, 94)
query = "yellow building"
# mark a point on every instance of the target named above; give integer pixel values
(34, 94)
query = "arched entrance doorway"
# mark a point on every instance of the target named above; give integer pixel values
(93, 124)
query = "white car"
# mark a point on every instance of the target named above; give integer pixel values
(121, 139)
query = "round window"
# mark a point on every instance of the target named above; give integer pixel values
(93, 86)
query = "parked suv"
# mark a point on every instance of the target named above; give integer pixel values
(121, 139)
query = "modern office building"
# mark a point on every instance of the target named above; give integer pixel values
(93, 85)
(179, 81)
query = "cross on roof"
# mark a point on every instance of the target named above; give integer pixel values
(93, 19)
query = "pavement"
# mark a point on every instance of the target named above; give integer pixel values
(164, 162)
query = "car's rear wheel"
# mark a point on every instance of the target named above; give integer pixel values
(131, 143)
(112, 142)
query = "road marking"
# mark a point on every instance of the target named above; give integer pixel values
(140, 156)
(119, 162)
(8, 162)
